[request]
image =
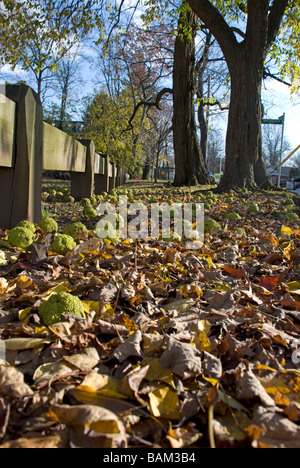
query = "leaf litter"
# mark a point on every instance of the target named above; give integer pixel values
(180, 348)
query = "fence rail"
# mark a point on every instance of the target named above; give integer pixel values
(28, 145)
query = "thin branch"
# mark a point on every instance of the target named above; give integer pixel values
(268, 74)
(149, 103)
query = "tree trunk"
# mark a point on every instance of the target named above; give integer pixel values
(202, 124)
(243, 141)
(245, 60)
(189, 163)
(63, 105)
(146, 171)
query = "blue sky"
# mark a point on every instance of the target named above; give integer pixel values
(278, 100)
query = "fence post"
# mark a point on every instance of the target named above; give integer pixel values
(112, 179)
(102, 180)
(118, 177)
(82, 183)
(24, 189)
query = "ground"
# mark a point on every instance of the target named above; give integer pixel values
(181, 348)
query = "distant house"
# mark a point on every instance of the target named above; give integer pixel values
(73, 126)
(286, 176)
(166, 172)
(77, 126)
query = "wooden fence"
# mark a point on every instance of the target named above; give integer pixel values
(28, 145)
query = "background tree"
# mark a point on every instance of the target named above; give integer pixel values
(189, 162)
(271, 145)
(65, 85)
(106, 121)
(245, 48)
(212, 84)
(37, 34)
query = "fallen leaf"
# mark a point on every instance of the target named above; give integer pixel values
(85, 361)
(52, 371)
(182, 358)
(94, 418)
(18, 344)
(164, 403)
(12, 383)
(36, 440)
(183, 436)
(130, 347)
(180, 305)
(269, 282)
(277, 431)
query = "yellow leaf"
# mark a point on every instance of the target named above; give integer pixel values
(212, 381)
(128, 324)
(23, 314)
(294, 287)
(158, 373)
(106, 311)
(92, 417)
(202, 342)
(189, 290)
(90, 306)
(204, 326)
(104, 427)
(24, 282)
(101, 384)
(59, 288)
(164, 403)
(285, 230)
(286, 382)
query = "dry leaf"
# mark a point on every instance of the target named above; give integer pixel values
(182, 358)
(12, 383)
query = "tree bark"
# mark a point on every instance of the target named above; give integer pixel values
(189, 163)
(243, 140)
(147, 171)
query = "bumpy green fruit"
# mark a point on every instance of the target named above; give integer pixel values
(233, 216)
(89, 212)
(291, 217)
(63, 244)
(252, 209)
(210, 224)
(48, 224)
(21, 237)
(289, 202)
(58, 304)
(75, 229)
(27, 224)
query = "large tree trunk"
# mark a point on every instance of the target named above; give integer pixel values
(245, 60)
(243, 139)
(189, 163)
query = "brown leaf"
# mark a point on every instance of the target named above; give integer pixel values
(278, 431)
(269, 282)
(250, 388)
(12, 383)
(36, 440)
(130, 347)
(182, 358)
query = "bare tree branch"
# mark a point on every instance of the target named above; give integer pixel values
(149, 103)
(268, 74)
